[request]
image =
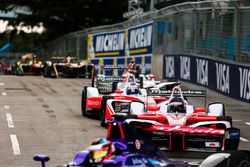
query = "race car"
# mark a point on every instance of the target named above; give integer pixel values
(67, 67)
(148, 81)
(106, 83)
(177, 125)
(124, 147)
(30, 64)
(94, 103)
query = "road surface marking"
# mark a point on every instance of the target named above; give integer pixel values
(4, 93)
(243, 139)
(248, 123)
(1, 84)
(6, 107)
(9, 120)
(237, 120)
(15, 145)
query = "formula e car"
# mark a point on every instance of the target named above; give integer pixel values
(124, 147)
(177, 125)
(106, 83)
(29, 65)
(67, 67)
(95, 103)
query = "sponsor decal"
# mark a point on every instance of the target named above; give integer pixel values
(212, 144)
(244, 83)
(222, 76)
(140, 39)
(185, 67)
(106, 44)
(113, 79)
(109, 42)
(202, 71)
(139, 161)
(93, 103)
(169, 67)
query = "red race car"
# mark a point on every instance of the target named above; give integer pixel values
(125, 89)
(179, 126)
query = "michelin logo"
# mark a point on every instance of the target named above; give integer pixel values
(140, 37)
(110, 42)
(244, 83)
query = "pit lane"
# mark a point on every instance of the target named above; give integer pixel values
(44, 115)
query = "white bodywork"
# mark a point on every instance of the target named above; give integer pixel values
(214, 159)
(91, 91)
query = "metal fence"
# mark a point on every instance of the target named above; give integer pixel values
(218, 28)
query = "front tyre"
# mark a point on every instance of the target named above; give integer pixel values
(103, 110)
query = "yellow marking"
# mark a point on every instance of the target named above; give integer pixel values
(107, 54)
(54, 66)
(138, 51)
(21, 67)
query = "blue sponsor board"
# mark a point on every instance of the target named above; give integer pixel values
(226, 78)
(140, 39)
(109, 62)
(108, 44)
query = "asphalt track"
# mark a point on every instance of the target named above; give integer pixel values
(42, 116)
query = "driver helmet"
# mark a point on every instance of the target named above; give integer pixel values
(133, 89)
(177, 105)
(100, 150)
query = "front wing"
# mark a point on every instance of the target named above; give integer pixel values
(185, 138)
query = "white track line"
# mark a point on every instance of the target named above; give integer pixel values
(15, 145)
(248, 123)
(4, 93)
(6, 107)
(237, 120)
(243, 139)
(9, 120)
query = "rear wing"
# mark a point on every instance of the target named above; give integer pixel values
(185, 93)
(112, 70)
(109, 79)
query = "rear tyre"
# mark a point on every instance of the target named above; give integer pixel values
(83, 101)
(240, 159)
(103, 110)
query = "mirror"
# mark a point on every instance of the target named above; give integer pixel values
(137, 107)
(216, 109)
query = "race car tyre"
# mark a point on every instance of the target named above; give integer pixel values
(94, 80)
(141, 82)
(239, 159)
(103, 110)
(232, 139)
(83, 101)
(225, 118)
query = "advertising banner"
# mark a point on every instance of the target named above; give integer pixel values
(117, 48)
(140, 39)
(108, 44)
(226, 78)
